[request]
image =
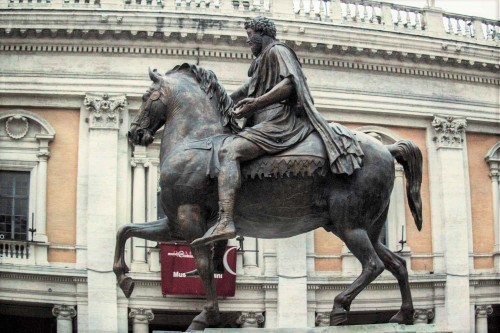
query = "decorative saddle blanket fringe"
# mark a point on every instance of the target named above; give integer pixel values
(306, 159)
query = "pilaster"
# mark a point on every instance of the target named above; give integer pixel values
(448, 137)
(292, 282)
(104, 122)
(64, 315)
(141, 318)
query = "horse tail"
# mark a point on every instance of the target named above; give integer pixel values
(410, 157)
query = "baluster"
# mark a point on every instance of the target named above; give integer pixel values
(459, 29)
(408, 19)
(489, 32)
(450, 25)
(300, 9)
(348, 16)
(468, 29)
(418, 24)
(399, 18)
(365, 13)
(373, 17)
(356, 12)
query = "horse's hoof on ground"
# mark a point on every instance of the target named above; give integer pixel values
(337, 317)
(127, 286)
(402, 317)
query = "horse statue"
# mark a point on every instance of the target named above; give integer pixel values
(280, 196)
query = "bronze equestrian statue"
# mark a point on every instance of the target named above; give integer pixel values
(324, 177)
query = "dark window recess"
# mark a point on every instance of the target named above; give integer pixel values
(14, 200)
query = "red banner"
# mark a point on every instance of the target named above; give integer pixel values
(177, 260)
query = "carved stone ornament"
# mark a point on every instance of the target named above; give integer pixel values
(250, 319)
(105, 110)
(17, 127)
(449, 131)
(423, 316)
(64, 312)
(141, 314)
(484, 310)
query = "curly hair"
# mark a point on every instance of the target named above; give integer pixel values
(263, 25)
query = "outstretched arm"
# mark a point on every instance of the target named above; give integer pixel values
(280, 92)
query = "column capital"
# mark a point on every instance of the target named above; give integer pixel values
(322, 319)
(43, 155)
(423, 316)
(449, 131)
(483, 310)
(141, 161)
(104, 110)
(141, 315)
(152, 162)
(250, 319)
(64, 312)
(494, 174)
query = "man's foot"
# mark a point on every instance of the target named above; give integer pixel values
(216, 233)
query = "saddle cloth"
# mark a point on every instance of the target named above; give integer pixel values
(305, 159)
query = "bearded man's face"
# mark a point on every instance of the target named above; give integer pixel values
(254, 40)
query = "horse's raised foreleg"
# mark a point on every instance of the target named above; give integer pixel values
(192, 226)
(359, 244)
(153, 231)
(397, 266)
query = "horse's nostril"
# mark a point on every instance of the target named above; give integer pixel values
(140, 133)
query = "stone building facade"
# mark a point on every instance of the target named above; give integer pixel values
(72, 75)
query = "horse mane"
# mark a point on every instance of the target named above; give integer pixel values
(210, 85)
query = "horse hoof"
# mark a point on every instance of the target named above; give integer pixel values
(402, 317)
(127, 286)
(338, 317)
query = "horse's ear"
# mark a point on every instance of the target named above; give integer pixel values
(153, 75)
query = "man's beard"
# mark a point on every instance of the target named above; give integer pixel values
(256, 44)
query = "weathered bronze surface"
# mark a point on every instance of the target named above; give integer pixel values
(319, 182)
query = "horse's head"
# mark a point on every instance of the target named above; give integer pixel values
(152, 113)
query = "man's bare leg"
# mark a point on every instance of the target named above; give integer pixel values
(230, 156)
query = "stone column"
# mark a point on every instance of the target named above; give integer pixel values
(41, 194)
(250, 319)
(495, 189)
(104, 125)
(40, 216)
(323, 319)
(482, 313)
(292, 282)
(139, 207)
(65, 315)
(141, 318)
(423, 316)
(449, 135)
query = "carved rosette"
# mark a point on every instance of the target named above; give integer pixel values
(250, 319)
(323, 319)
(423, 316)
(64, 312)
(17, 127)
(449, 131)
(105, 110)
(483, 311)
(141, 315)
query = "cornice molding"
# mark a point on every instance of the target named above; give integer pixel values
(320, 60)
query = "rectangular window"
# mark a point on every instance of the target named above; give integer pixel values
(14, 199)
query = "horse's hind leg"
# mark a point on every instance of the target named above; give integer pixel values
(397, 266)
(154, 231)
(359, 244)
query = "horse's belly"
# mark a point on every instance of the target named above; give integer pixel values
(278, 208)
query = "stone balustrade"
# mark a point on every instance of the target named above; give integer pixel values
(355, 13)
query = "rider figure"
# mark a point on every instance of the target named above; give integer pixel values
(280, 113)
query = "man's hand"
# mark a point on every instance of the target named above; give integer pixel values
(246, 107)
